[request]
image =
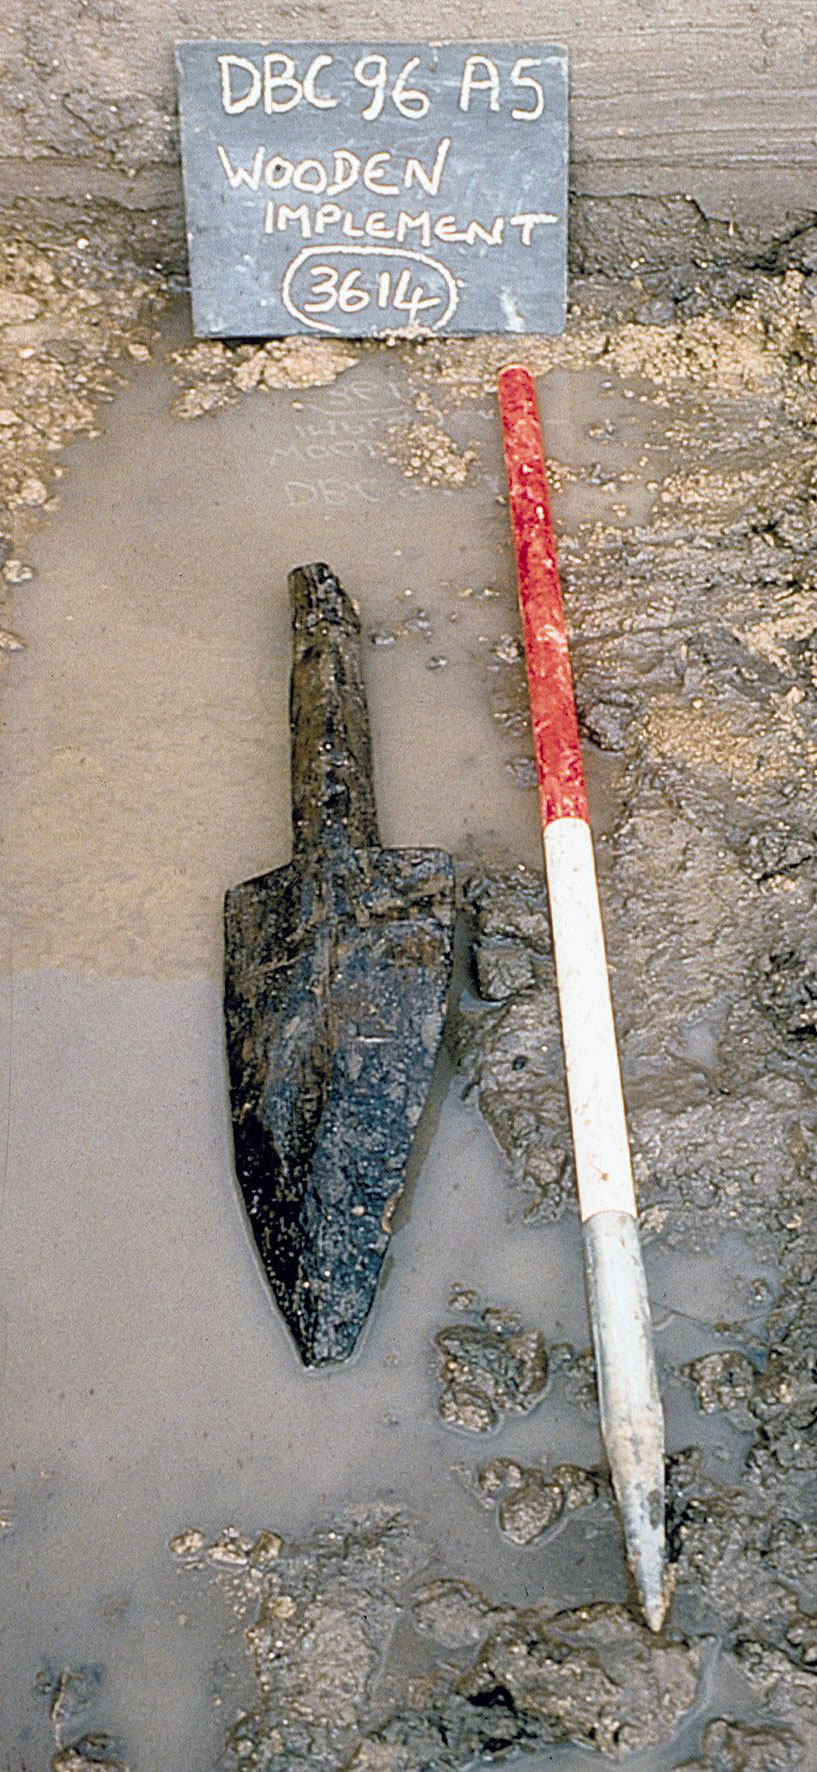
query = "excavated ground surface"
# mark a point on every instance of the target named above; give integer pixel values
(694, 628)
(694, 658)
(694, 649)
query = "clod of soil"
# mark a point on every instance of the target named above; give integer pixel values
(530, 1499)
(489, 1367)
(426, 452)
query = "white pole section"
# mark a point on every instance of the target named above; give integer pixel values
(601, 1149)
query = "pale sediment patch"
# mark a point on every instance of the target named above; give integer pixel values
(214, 375)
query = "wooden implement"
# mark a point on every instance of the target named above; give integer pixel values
(337, 969)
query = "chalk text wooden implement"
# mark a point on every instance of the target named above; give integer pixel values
(362, 189)
(629, 1401)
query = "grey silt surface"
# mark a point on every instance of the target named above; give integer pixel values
(149, 1385)
(147, 1378)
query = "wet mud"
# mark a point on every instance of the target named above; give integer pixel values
(693, 664)
(361, 1662)
(480, 1608)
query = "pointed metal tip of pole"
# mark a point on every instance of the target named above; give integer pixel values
(642, 1515)
(655, 1611)
(631, 1419)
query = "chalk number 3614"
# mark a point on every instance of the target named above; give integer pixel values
(401, 292)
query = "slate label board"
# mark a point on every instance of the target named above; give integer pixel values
(363, 189)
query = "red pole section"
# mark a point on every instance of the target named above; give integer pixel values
(550, 682)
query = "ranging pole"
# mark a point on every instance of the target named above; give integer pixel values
(632, 1423)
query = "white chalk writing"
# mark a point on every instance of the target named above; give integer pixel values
(424, 228)
(273, 83)
(383, 173)
(401, 283)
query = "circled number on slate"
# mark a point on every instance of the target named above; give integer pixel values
(415, 290)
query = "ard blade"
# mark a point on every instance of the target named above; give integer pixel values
(336, 977)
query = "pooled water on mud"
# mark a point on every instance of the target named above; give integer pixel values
(148, 1378)
(150, 1387)
(161, 608)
